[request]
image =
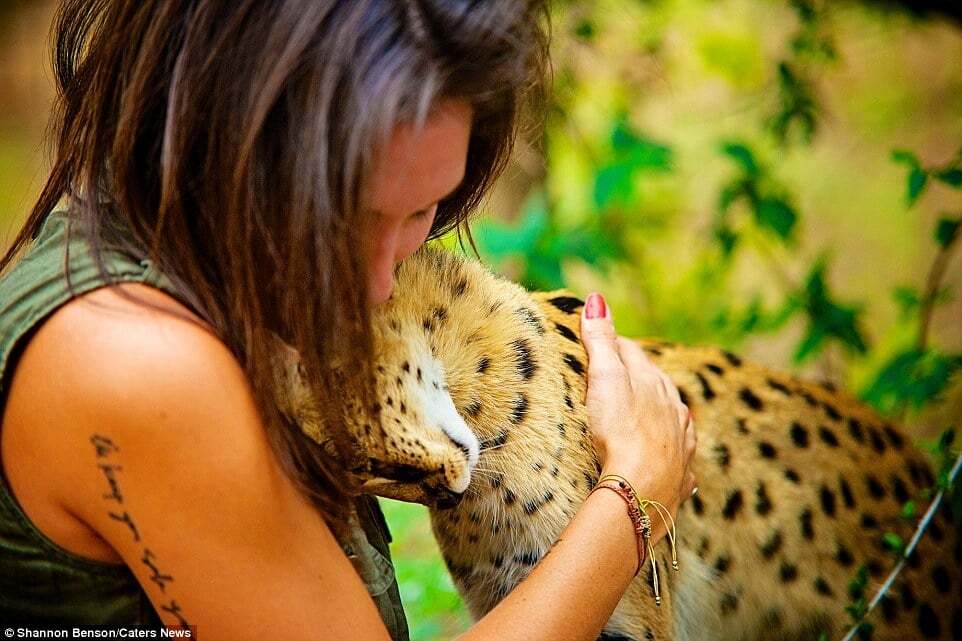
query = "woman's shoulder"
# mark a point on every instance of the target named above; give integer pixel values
(150, 378)
(125, 348)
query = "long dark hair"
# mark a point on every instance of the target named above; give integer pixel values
(232, 138)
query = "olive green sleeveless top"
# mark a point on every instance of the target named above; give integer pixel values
(40, 582)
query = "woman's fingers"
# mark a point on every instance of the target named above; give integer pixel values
(642, 370)
(601, 343)
(690, 484)
(633, 356)
(640, 427)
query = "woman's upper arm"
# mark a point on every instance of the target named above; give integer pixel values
(163, 454)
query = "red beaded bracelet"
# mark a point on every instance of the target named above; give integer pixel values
(639, 520)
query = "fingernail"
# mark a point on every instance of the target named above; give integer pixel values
(595, 306)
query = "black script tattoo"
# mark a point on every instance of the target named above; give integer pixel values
(105, 449)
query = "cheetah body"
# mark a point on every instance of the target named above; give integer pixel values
(482, 387)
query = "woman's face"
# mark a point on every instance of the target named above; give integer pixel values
(414, 172)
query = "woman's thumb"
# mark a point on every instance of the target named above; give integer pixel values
(598, 332)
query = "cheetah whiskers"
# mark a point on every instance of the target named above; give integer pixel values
(514, 439)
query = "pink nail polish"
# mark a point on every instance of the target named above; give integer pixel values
(595, 306)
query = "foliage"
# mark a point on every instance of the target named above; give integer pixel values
(544, 244)
(431, 603)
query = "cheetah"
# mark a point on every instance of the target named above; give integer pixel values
(481, 416)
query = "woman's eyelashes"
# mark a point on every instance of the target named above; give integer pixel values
(424, 213)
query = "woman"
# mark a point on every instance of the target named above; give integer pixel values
(235, 167)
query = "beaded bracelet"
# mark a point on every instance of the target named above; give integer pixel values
(639, 520)
(637, 511)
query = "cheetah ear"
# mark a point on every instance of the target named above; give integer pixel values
(285, 365)
(291, 395)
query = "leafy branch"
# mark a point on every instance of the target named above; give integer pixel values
(919, 373)
(946, 485)
(812, 44)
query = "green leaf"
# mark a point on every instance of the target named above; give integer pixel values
(798, 108)
(638, 151)
(651, 155)
(865, 630)
(805, 10)
(856, 609)
(946, 230)
(917, 178)
(916, 183)
(951, 176)
(893, 541)
(742, 155)
(955, 501)
(908, 300)
(614, 184)
(543, 271)
(499, 240)
(789, 307)
(726, 238)
(585, 30)
(596, 243)
(914, 377)
(856, 587)
(809, 344)
(776, 215)
(828, 319)
(615, 180)
(732, 192)
(945, 441)
(905, 157)
(622, 136)
(909, 509)
(943, 480)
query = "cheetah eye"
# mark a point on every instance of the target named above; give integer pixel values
(397, 471)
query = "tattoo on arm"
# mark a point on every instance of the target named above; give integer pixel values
(174, 608)
(106, 450)
(129, 522)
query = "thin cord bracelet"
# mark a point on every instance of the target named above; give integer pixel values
(623, 487)
(662, 512)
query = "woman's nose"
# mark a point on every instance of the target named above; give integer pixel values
(381, 269)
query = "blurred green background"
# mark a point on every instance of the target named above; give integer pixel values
(778, 177)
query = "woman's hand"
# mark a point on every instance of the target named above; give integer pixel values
(641, 428)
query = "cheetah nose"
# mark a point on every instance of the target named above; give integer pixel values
(464, 448)
(467, 443)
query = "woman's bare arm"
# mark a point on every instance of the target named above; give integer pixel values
(573, 590)
(161, 453)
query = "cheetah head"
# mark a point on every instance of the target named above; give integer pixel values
(413, 445)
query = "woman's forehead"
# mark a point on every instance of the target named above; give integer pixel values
(418, 167)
